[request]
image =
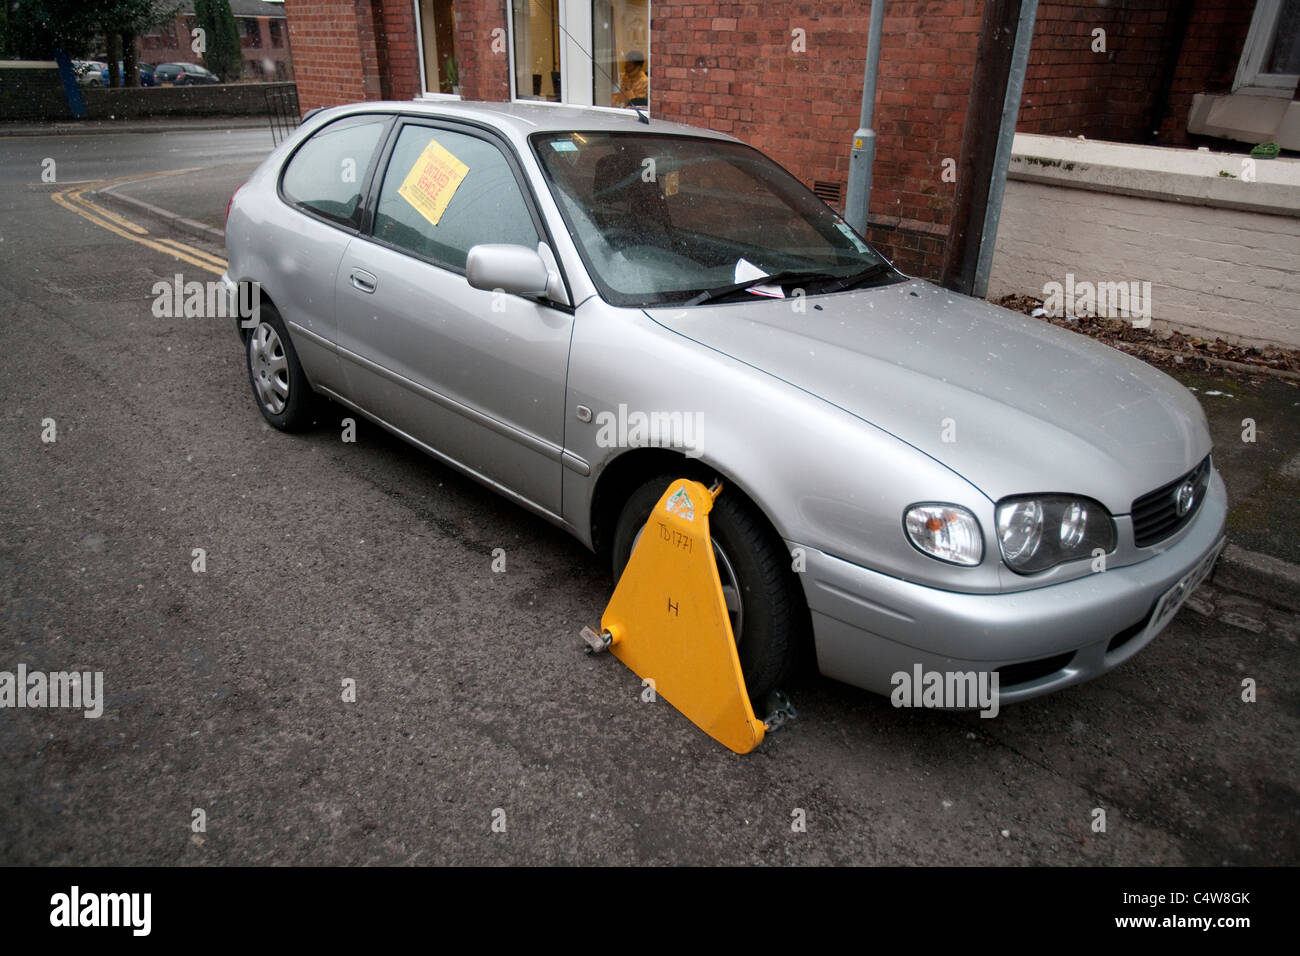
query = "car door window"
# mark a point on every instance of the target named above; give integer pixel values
(325, 176)
(444, 192)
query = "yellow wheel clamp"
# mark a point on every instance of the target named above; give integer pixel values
(668, 622)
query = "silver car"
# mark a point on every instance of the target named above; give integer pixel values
(576, 306)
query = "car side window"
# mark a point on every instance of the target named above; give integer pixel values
(328, 171)
(444, 192)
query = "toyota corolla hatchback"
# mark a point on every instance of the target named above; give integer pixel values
(576, 306)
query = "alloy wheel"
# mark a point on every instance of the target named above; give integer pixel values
(270, 368)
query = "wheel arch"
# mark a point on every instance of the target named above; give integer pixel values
(625, 473)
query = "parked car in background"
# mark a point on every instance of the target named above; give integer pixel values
(90, 72)
(923, 481)
(184, 74)
(144, 70)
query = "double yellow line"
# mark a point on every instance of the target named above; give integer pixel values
(74, 200)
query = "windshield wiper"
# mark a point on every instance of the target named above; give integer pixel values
(777, 278)
(859, 279)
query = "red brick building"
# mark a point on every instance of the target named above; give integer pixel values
(263, 39)
(786, 76)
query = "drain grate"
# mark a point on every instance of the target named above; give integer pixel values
(120, 285)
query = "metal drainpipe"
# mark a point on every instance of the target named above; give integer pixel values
(1006, 135)
(863, 154)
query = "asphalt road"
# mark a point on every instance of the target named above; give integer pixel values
(86, 157)
(328, 562)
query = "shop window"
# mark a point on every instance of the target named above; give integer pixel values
(620, 32)
(581, 52)
(536, 39)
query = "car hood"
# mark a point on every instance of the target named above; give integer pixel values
(1014, 405)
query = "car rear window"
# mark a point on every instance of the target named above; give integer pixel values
(327, 172)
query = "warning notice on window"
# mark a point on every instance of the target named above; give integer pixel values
(432, 181)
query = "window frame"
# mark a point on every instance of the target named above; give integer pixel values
(370, 201)
(1250, 79)
(353, 226)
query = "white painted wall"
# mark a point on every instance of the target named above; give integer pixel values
(1214, 271)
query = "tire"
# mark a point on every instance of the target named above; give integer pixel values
(280, 387)
(763, 599)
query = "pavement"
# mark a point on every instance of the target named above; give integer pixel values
(368, 561)
(1255, 423)
(192, 202)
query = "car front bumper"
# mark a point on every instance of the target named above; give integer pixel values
(868, 626)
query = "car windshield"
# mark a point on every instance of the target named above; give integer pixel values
(662, 218)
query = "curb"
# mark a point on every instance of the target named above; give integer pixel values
(1260, 576)
(175, 220)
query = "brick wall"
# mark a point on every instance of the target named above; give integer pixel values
(484, 72)
(32, 90)
(1216, 33)
(171, 43)
(1154, 48)
(334, 44)
(734, 67)
(1072, 89)
(401, 48)
(351, 50)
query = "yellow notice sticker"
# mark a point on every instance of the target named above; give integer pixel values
(432, 181)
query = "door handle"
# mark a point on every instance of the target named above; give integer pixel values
(364, 280)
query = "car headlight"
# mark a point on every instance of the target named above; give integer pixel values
(1040, 532)
(947, 532)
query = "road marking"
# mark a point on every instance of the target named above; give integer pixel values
(194, 251)
(75, 196)
(73, 200)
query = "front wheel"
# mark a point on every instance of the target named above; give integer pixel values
(762, 597)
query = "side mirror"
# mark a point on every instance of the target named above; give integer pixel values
(514, 269)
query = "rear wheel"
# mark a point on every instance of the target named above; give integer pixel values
(762, 598)
(280, 387)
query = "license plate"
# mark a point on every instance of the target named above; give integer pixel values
(1173, 599)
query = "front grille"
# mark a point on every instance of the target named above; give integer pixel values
(1155, 515)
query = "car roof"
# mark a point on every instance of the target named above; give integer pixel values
(521, 120)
